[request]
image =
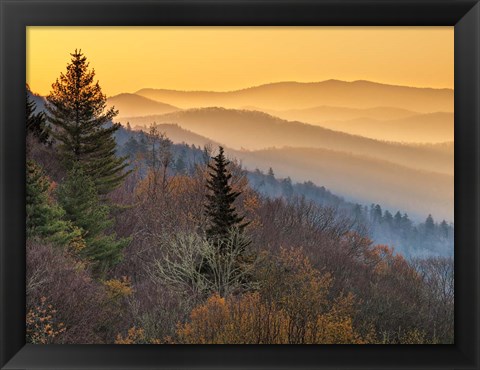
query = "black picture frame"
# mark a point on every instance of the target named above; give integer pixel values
(17, 14)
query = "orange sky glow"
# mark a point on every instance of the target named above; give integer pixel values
(127, 59)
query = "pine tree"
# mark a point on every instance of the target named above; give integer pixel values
(429, 224)
(377, 213)
(406, 223)
(287, 187)
(219, 208)
(79, 197)
(36, 122)
(225, 231)
(444, 229)
(397, 220)
(357, 211)
(271, 177)
(388, 218)
(76, 108)
(45, 218)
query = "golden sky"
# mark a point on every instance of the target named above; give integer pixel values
(127, 59)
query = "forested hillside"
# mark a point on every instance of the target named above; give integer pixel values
(133, 239)
(388, 226)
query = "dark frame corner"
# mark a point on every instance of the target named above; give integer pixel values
(15, 15)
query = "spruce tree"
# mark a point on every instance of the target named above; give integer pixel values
(45, 218)
(397, 220)
(429, 224)
(444, 229)
(388, 218)
(220, 210)
(36, 122)
(225, 230)
(79, 197)
(76, 108)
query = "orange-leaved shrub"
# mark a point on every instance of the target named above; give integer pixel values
(137, 335)
(42, 325)
(292, 307)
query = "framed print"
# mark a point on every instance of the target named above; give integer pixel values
(251, 184)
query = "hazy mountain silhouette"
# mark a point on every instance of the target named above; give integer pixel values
(420, 128)
(357, 178)
(256, 130)
(179, 135)
(446, 147)
(360, 178)
(136, 105)
(328, 113)
(297, 95)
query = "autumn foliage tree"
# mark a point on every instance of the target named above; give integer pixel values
(298, 312)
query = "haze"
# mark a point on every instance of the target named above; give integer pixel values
(367, 112)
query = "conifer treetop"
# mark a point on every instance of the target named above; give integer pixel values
(82, 125)
(220, 209)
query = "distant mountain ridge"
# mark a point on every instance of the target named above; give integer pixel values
(136, 105)
(253, 130)
(327, 113)
(420, 128)
(357, 178)
(360, 179)
(299, 95)
(413, 176)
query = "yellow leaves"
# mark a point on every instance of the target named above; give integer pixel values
(250, 320)
(180, 185)
(137, 336)
(77, 244)
(134, 336)
(387, 263)
(207, 321)
(118, 288)
(251, 204)
(292, 281)
(41, 324)
(291, 307)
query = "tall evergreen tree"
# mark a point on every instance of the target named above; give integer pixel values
(429, 224)
(79, 197)
(45, 218)
(388, 218)
(219, 208)
(377, 213)
(225, 229)
(287, 187)
(397, 220)
(36, 122)
(76, 107)
(444, 229)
